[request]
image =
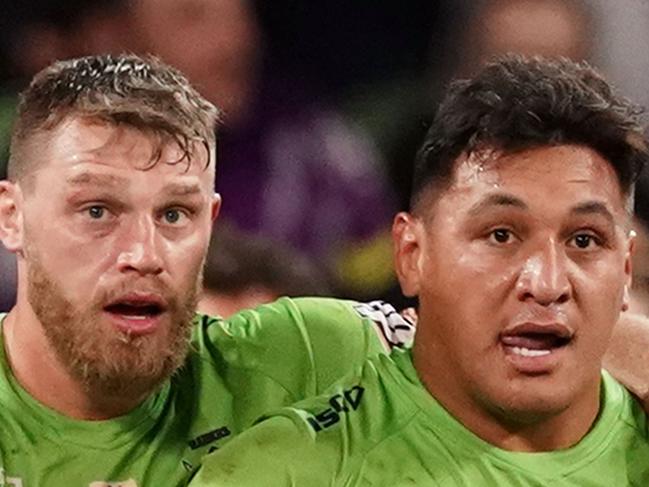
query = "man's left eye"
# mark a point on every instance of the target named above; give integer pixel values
(173, 216)
(584, 241)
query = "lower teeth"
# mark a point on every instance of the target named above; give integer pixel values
(526, 352)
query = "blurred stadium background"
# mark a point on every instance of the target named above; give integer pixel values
(324, 104)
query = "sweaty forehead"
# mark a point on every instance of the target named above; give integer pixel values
(77, 142)
(564, 166)
(547, 179)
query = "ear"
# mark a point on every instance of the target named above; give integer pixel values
(628, 269)
(216, 206)
(407, 234)
(11, 217)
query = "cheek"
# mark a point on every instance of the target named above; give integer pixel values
(463, 291)
(601, 283)
(185, 259)
(58, 249)
(599, 295)
(79, 268)
(474, 277)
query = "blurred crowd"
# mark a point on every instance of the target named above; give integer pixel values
(324, 104)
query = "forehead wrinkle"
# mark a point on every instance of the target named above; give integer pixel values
(499, 199)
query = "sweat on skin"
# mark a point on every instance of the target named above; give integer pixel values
(534, 238)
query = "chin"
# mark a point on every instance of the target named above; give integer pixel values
(531, 403)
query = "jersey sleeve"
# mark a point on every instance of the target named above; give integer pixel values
(275, 453)
(307, 344)
(322, 441)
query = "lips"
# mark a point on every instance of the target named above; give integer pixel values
(532, 336)
(536, 347)
(136, 313)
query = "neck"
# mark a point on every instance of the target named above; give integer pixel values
(520, 431)
(28, 350)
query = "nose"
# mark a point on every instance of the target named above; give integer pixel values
(139, 250)
(544, 276)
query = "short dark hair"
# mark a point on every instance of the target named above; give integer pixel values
(518, 103)
(132, 90)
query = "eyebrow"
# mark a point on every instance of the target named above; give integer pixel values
(594, 208)
(182, 189)
(497, 199)
(92, 179)
(507, 200)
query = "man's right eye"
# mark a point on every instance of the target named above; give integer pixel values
(500, 235)
(96, 212)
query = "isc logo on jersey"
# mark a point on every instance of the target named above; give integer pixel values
(123, 483)
(394, 329)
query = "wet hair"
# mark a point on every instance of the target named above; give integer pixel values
(517, 103)
(129, 90)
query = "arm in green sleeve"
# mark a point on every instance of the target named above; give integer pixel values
(275, 453)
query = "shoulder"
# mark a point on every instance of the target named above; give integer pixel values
(304, 344)
(285, 319)
(335, 322)
(625, 406)
(628, 355)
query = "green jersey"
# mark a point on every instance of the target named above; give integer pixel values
(384, 429)
(235, 371)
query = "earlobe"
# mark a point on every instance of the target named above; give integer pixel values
(626, 298)
(11, 228)
(628, 270)
(407, 251)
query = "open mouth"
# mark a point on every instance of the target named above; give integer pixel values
(531, 340)
(534, 344)
(135, 310)
(137, 306)
(136, 313)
